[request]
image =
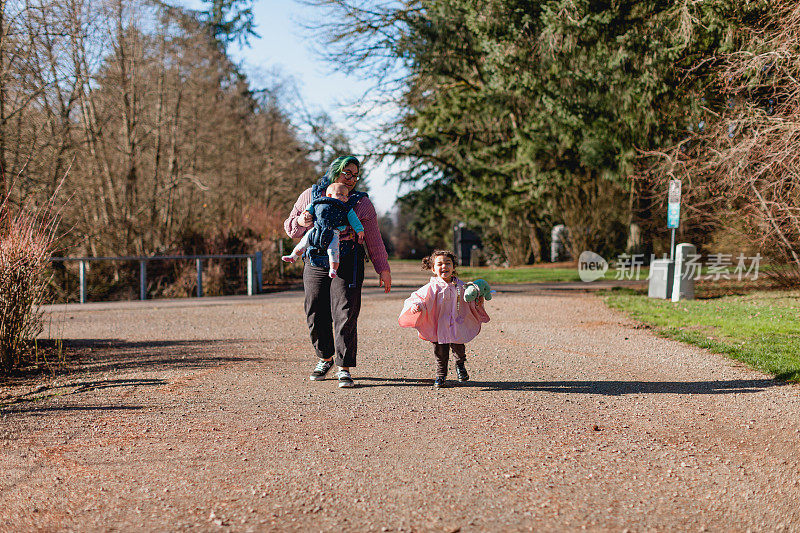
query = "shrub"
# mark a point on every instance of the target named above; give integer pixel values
(25, 243)
(185, 283)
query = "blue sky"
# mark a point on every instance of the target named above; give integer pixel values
(284, 46)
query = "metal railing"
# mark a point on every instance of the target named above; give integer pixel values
(254, 269)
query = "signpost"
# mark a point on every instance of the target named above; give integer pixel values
(673, 212)
(666, 274)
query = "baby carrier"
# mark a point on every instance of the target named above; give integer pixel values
(319, 240)
(329, 214)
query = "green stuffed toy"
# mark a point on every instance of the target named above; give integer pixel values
(476, 288)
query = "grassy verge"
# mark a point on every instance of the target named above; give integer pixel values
(532, 274)
(760, 329)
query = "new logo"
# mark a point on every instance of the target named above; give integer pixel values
(591, 266)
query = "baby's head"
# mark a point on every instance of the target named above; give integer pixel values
(338, 191)
(442, 263)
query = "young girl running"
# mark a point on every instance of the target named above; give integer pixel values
(440, 314)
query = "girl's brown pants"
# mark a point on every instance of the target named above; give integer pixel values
(442, 353)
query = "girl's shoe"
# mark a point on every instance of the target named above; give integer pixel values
(438, 383)
(461, 372)
(345, 381)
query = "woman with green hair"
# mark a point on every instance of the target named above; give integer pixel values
(332, 305)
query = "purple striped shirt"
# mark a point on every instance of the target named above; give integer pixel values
(366, 214)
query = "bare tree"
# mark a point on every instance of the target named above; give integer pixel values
(741, 167)
(167, 143)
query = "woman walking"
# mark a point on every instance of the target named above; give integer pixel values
(332, 305)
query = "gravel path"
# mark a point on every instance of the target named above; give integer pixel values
(198, 415)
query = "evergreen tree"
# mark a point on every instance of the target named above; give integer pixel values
(535, 113)
(230, 21)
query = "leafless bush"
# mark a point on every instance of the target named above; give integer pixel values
(596, 212)
(26, 239)
(186, 283)
(743, 163)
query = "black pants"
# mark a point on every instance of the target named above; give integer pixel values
(332, 309)
(442, 353)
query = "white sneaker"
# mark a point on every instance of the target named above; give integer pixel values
(345, 381)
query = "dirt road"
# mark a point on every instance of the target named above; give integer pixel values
(199, 415)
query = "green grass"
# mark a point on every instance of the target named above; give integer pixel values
(760, 329)
(531, 274)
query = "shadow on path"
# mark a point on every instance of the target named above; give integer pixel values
(90, 361)
(620, 388)
(116, 354)
(44, 392)
(606, 388)
(70, 408)
(393, 382)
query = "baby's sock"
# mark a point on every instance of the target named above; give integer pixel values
(332, 273)
(291, 258)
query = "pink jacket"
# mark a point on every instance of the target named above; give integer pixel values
(366, 214)
(442, 319)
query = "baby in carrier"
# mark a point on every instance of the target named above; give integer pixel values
(331, 217)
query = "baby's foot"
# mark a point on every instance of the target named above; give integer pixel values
(332, 273)
(289, 258)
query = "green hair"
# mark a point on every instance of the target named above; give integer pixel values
(337, 166)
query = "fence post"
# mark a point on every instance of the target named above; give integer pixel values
(143, 279)
(280, 254)
(82, 278)
(199, 277)
(250, 276)
(259, 273)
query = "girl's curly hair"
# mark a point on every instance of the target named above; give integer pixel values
(427, 262)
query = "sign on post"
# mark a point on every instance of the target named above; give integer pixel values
(674, 204)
